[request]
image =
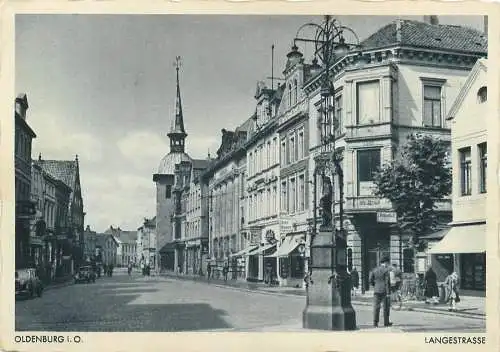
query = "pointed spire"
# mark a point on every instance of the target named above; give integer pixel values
(179, 119)
(177, 133)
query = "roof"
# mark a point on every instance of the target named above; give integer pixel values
(481, 64)
(64, 170)
(167, 164)
(425, 35)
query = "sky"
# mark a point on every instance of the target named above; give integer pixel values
(103, 87)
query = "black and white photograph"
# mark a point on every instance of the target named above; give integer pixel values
(250, 173)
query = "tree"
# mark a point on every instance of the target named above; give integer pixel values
(414, 181)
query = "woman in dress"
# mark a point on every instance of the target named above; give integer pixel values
(452, 296)
(431, 288)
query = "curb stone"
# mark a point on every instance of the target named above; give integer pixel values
(475, 316)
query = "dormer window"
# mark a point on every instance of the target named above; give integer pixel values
(482, 95)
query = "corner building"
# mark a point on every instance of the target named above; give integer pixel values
(402, 81)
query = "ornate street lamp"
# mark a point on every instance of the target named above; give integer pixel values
(328, 305)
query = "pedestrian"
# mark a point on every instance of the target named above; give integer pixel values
(209, 271)
(225, 271)
(396, 281)
(129, 268)
(431, 288)
(354, 280)
(379, 279)
(452, 291)
(110, 270)
(105, 269)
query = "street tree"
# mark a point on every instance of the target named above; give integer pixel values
(414, 181)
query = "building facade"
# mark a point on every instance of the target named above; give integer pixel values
(224, 181)
(90, 244)
(463, 248)
(147, 247)
(403, 81)
(262, 186)
(25, 207)
(164, 180)
(68, 232)
(107, 248)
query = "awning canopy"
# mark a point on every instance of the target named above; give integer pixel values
(244, 251)
(288, 245)
(462, 239)
(436, 235)
(261, 249)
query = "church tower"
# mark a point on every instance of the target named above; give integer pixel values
(164, 180)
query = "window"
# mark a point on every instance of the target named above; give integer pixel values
(293, 192)
(274, 208)
(274, 151)
(432, 106)
(291, 149)
(295, 91)
(483, 164)
(300, 142)
(301, 195)
(284, 198)
(289, 95)
(250, 161)
(349, 260)
(268, 156)
(465, 171)
(283, 152)
(482, 95)
(368, 104)
(368, 164)
(338, 116)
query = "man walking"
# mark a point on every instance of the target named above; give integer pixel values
(380, 280)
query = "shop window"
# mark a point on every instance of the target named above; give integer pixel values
(408, 260)
(296, 267)
(473, 271)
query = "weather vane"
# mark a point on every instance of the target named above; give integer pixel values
(178, 62)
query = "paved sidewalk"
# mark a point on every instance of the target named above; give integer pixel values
(470, 306)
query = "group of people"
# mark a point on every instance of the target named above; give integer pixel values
(225, 271)
(108, 269)
(387, 281)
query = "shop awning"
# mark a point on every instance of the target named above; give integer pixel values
(261, 249)
(462, 239)
(288, 245)
(244, 251)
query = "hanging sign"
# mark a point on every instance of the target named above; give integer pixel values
(386, 217)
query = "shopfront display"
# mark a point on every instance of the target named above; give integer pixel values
(473, 271)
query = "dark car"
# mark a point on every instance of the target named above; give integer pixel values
(28, 283)
(85, 274)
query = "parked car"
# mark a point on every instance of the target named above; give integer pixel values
(85, 274)
(28, 283)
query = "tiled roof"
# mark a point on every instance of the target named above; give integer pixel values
(63, 170)
(425, 35)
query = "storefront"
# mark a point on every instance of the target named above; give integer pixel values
(239, 260)
(467, 245)
(291, 259)
(260, 268)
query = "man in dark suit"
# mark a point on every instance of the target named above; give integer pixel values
(380, 280)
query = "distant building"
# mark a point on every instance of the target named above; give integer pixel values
(147, 247)
(126, 250)
(25, 207)
(106, 248)
(90, 244)
(463, 248)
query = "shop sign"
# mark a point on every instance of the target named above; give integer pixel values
(270, 236)
(387, 217)
(286, 226)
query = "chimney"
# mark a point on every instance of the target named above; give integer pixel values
(431, 20)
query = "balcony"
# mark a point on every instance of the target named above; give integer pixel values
(371, 131)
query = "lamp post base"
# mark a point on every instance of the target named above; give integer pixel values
(324, 309)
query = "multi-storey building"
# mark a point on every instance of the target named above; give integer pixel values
(402, 81)
(190, 192)
(90, 244)
(262, 185)
(147, 246)
(224, 181)
(68, 232)
(463, 248)
(294, 177)
(126, 245)
(164, 180)
(106, 249)
(25, 208)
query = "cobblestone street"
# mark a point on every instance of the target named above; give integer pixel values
(136, 303)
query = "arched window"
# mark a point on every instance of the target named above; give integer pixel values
(295, 91)
(482, 95)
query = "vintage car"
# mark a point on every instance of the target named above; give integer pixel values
(28, 283)
(85, 274)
